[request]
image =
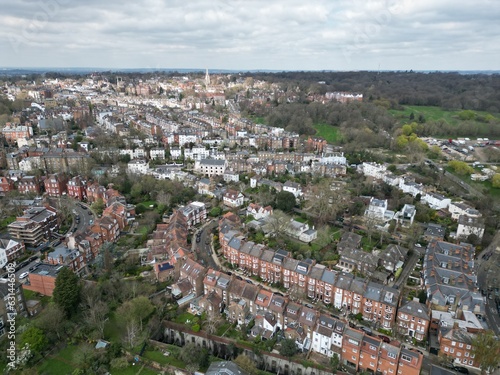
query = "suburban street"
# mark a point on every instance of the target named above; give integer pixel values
(203, 246)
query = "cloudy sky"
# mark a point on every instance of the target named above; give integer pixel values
(252, 34)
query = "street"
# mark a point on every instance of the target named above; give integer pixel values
(202, 246)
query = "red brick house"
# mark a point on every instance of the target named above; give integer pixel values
(77, 188)
(55, 184)
(29, 184)
(6, 185)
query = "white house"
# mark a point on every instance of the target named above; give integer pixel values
(233, 198)
(377, 209)
(138, 166)
(157, 153)
(391, 179)
(470, 225)
(293, 187)
(137, 153)
(253, 182)
(460, 208)
(230, 176)
(409, 186)
(436, 201)
(372, 169)
(301, 231)
(196, 153)
(259, 212)
(328, 333)
(10, 250)
(210, 167)
(175, 152)
(334, 158)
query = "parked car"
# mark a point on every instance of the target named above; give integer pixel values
(461, 370)
(367, 330)
(23, 275)
(384, 338)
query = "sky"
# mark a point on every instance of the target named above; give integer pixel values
(252, 34)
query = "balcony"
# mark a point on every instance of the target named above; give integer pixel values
(356, 298)
(388, 309)
(405, 318)
(368, 303)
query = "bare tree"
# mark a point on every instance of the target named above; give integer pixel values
(325, 202)
(212, 322)
(278, 223)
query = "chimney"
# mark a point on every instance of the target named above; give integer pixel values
(416, 299)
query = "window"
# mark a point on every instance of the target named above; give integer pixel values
(453, 343)
(460, 345)
(470, 362)
(465, 361)
(459, 354)
(452, 350)
(353, 358)
(468, 347)
(405, 357)
(354, 350)
(446, 349)
(391, 355)
(466, 354)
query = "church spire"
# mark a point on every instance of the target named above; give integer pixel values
(207, 78)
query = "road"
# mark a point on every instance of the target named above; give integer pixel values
(86, 216)
(203, 248)
(408, 267)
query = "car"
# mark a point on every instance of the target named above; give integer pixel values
(384, 338)
(367, 330)
(33, 267)
(23, 275)
(198, 239)
(461, 370)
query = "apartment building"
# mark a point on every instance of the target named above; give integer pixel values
(29, 184)
(10, 250)
(35, 225)
(194, 213)
(55, 184)
(77, 188)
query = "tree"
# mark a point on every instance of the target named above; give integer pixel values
(278, 223)
(98, 206)
(334, 363)
(326, 202)
(486, 349)
(461, 167)
(246, 364)
(53, 322)
(190, 354)
(35, 338)
(67, 291)
(288, 348)
(212, 322)
(285, 201)
(495, 181)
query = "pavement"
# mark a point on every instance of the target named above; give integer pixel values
(204, 248)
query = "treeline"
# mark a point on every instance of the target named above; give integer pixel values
(362, 123)
(446, 90)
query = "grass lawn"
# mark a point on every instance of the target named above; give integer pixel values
(328, 132)
(158, 356)
(134, 370)
(433, 113)
(184, 317)
(112, 331)
(60, 363)
(259, 120)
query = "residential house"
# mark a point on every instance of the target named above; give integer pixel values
(406, 216)
(194, 213)
(373, 170)
(349, 241)
(301, 231)
(377, 210)
(449, 278)
(259, 212)
(456, 344)
(55, 184)
(77, 188)
(460, 208)
(6, 185)
(358, 260)
(413, 320)
(164, 271)
(230, 176)
(393, 257)
(194, 273)
(233, 198)
(436, 201)
(468, 225)
(12, 302)
(434, 232)
(206, 187)
(293, 187)
(29, 184)
(10, 250)
(138, 166)
(67, 257)
(210, 167)
(409, 186)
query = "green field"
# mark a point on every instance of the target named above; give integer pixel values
(433, 113)
(328, 132)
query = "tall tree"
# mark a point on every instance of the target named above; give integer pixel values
(285, 201)
(67, 291)
(486, 349)
(246, 364)
(288, 348)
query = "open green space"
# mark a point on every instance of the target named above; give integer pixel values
(328, 132)
(435, 113)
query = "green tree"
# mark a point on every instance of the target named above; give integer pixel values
(461, 167)
(288, 348)
(486, 349)
(35, 338)
(334, 363)
(67, 291)
(285, 201)
(495, 181)
(98, 206)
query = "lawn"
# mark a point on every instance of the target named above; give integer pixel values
(433, 113)
(186, 317)
(61, 363)
(134, 370)
(328, 132)
(157, 356)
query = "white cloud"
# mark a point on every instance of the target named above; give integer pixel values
(252, 34)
